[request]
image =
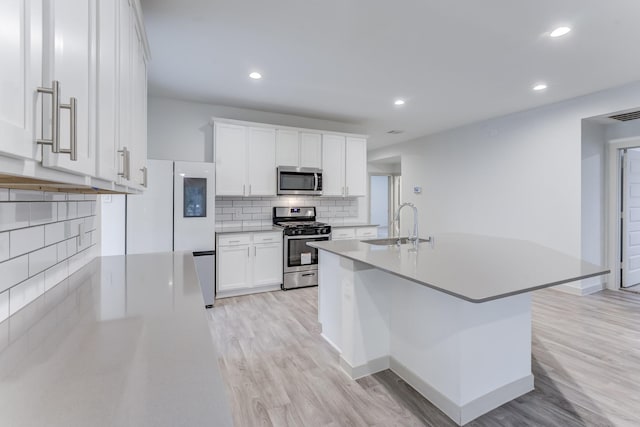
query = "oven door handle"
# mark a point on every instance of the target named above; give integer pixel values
(314, 236)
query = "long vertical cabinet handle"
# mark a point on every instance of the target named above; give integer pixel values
(72, 106)
(126, 166)
(248, 249)
(144, 176)
(54, 91)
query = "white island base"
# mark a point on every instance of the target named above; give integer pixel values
(465, 358)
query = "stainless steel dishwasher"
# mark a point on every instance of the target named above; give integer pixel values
(205, 266)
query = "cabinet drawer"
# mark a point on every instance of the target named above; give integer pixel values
(343, 233)
(267, 237)
(367, 232)
(234, 239)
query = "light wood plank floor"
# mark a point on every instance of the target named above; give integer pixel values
(279, 371)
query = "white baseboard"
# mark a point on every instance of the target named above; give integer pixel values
(579, 290)
(460, 414)
(331, 343)
(246, 291)
(370, 368)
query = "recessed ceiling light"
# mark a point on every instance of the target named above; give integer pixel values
(398, 102)
(255, 75)
(560, 31)
(540, 86)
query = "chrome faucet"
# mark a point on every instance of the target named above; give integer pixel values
(413, 237)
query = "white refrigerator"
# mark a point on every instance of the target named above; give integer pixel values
(176, 213)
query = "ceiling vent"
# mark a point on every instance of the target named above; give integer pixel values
(395, 132)
(625, 117)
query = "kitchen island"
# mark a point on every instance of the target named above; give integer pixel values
(452, 317)
(122, 342)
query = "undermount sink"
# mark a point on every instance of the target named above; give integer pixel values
(392, 241)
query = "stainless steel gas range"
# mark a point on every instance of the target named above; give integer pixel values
(300, 261)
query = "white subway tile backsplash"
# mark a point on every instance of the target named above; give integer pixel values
(4, 246)
(38, 243)
(25, 195)
(55, 197)
(42, 259)
(247, 212)
(25, 292)
(54, 233)
(84, 209)
(4, 307)
(14, 215)
(26, 240)
(42, 212)
(13, 272)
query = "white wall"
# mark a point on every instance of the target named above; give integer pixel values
(180, 130)
(516, 176)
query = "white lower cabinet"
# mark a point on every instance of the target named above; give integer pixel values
(248, 263)
(360, 233)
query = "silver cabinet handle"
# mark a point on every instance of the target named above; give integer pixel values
(347, 191)
(243, 189)
(255, 251)
(343, 191)
(126, 163)
(72, 106)
(249, 189)
(144, 176)
(248, 249)
(54, 91)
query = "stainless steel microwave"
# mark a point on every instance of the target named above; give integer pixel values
(293, 180)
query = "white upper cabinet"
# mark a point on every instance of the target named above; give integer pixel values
(138, 141)
(20, 76)
(68, 57)
(262, 162)
(310, 150)
(107, 108)
(298, 149)
(245, 160)
(345, 166)
(231, 159)
(333, 161)
(355, 167)
(287, 147)
(248, 154)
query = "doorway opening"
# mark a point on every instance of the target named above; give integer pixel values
(384, 193)
(629, 161)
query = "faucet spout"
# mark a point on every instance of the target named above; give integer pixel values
(414, 236)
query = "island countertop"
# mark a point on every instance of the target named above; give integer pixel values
(472, 267)
(122, 342)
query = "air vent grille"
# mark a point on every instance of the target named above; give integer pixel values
(625, 117)
(395, 132)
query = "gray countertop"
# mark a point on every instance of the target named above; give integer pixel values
(474, 268)
(254, 229)
(123, 342)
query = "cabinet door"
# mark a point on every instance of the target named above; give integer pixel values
(107, 90)
(267, 264)
(232, 266)
(231, 159)
(333, 161)
(287, 142)
(69, 51)
(366, 232)
(310, 150)
(139, 113)
(356, 167)
(125, 85)
(343, 234)
(262, 162)
(20, 75)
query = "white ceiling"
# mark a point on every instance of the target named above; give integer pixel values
(455, 62)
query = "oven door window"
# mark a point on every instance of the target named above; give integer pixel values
(299, 254)
(297, 181)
